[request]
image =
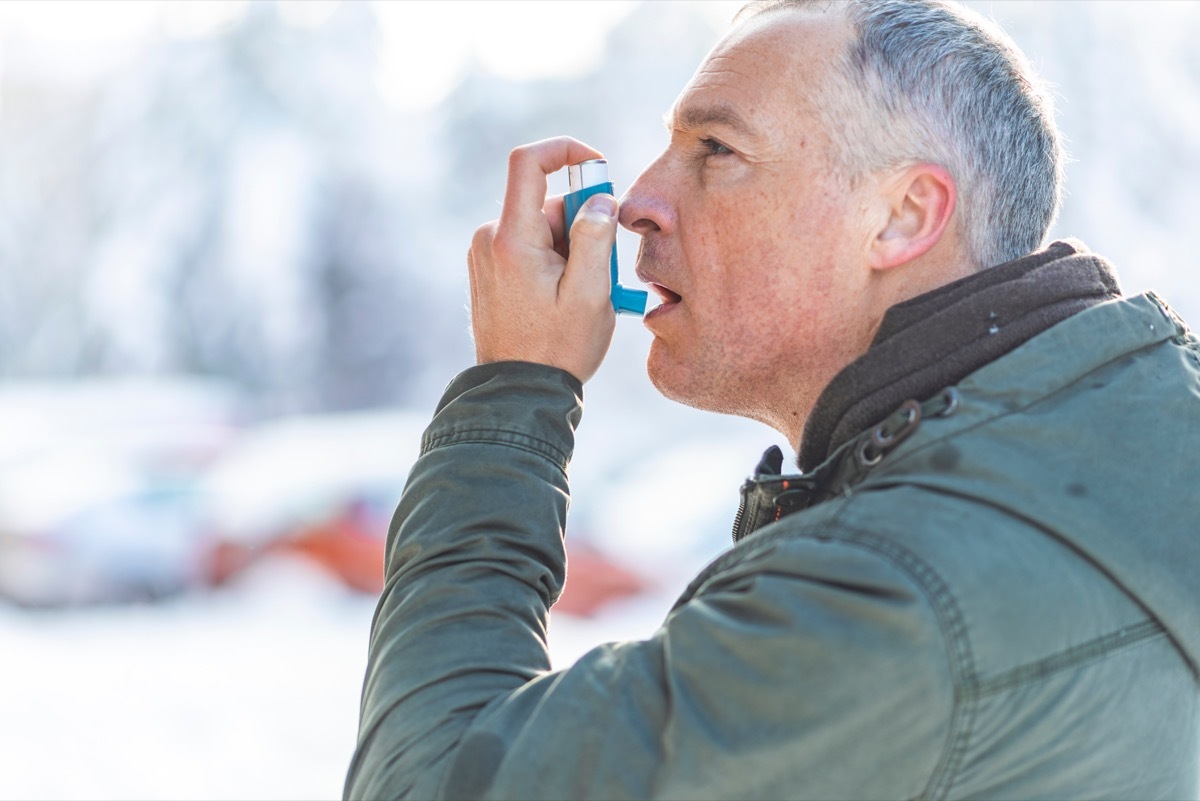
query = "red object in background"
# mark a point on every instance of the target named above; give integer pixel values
(226, 559)
(350, 545)
(594, 581)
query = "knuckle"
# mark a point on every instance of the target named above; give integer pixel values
(503, 246)
(519, 154)
(484, 236)
(588, 223)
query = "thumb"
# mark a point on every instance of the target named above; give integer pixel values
(592, 236)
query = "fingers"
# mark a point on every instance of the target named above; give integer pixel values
(481, 246)
(528, 167)
(587, 278)
(479, 273)
(529, 302)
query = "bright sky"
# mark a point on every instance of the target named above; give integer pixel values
(428, 38)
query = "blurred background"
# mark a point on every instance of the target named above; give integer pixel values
(232, 287)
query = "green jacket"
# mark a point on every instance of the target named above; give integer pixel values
(994, 595)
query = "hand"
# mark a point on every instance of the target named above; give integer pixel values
(529, 302)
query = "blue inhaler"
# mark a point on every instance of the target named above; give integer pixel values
(589, 178)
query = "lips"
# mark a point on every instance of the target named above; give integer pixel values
(668, 299)
(647, 273)
(664, 294)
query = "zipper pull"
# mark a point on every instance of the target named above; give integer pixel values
(771, 463)
(769, 466)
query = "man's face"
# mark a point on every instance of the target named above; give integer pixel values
(752, 240)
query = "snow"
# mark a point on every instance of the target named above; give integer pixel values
(250, 692)
(247, 693)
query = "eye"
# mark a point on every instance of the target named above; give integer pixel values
(714, 148)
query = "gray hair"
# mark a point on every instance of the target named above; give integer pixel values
(926, 80)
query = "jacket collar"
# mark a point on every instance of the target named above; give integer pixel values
(937, 339)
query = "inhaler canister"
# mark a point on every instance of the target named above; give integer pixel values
(587, 174)
(589, 178)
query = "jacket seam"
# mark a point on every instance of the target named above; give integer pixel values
(1183, 335)
(950, 620)
(498, 436)
(1094, 650)
(1116, 582)
(954, 632)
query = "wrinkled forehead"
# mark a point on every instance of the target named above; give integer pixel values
(773, 63)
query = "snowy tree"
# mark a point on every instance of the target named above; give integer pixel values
(228, 206)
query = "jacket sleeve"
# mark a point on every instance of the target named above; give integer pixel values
(797, 666)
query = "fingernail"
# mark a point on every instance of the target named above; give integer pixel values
(602, 204)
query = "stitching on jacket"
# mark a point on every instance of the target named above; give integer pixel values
(1053, 535)
(954, 631)
(497, 436)
(1091, 651)
(1191, 344)
(950, 619)
(1183, 335)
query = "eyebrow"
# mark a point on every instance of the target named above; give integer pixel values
(693, 117)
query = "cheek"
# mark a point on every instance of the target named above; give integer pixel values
(764, 248)
(733, 241)
(773, 281)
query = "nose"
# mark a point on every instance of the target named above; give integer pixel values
(646, 208)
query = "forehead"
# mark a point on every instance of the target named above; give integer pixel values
(768, 67)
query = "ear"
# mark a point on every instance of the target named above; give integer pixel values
(918, 204)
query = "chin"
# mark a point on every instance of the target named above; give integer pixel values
(710, 388)
(666, 374)
(684, 383)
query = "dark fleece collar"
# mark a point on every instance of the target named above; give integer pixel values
(937, 339)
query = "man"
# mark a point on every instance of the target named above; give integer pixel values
(984, 581)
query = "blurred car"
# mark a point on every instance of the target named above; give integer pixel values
(323, 486)
(326, 486)
(96, 497)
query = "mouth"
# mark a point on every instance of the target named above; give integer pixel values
(668, 300)
(648, 272)
(665, 295)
